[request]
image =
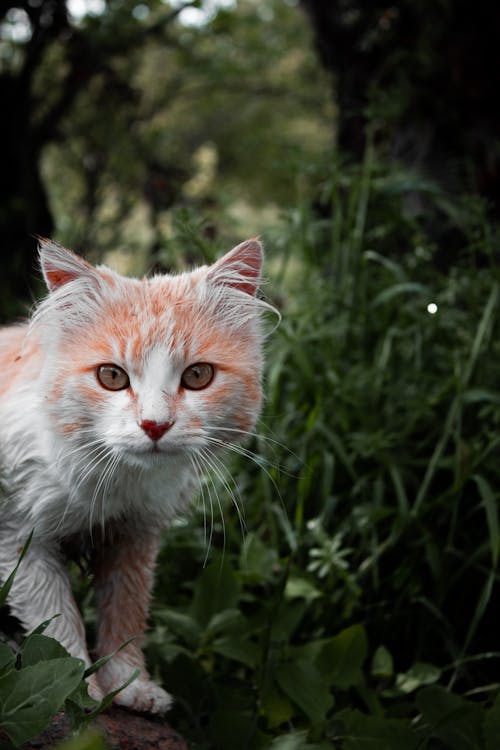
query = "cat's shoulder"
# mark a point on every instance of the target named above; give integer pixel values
(18, 352)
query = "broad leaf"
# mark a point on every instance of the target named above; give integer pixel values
(343, 656)
(31, 696)
(373, 733)
(455, 721)
(302, 682)
(37, 648)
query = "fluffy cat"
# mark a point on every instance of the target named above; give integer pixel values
(111, 398)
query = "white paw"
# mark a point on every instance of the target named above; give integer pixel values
(144, 695)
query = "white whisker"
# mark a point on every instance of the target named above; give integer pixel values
(221, 472)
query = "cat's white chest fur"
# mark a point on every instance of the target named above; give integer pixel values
(62, 488)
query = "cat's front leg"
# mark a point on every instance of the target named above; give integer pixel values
(41, 591)
(123, 570)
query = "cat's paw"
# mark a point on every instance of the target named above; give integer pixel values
(144, 695)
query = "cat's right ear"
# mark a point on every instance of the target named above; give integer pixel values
(60, 265)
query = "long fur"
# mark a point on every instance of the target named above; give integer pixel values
(78, 468)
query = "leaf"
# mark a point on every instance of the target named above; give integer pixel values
(478, 395)
(7, 657)
(490, 504)
(6, 587)
(104, 659)
(215, 590)
(30, 696)
(257, 559)
(303, 683)
(37, 648)
(297, 741)
(182, 624)
(77, 706)
(230, 728)
(225, 620)
(491, 725)
(276, 708)
(397, 290)
(453, 720)
(374, 733)
(382, 664)
(237, 648)
(417, 676)
(89, 740)
(298, 587)
(343, 656)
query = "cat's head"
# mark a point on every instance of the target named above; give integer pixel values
(155, 367)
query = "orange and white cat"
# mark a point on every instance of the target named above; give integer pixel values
(111, 398)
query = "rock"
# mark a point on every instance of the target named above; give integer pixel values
(121, 729)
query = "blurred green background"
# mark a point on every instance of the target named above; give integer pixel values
(355, 604)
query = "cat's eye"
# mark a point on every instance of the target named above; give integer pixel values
(112, 377)
(197, 376)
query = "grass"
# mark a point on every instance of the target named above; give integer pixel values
(359, 605)
(354, 607)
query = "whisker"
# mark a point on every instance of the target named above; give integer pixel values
(219, 469)
(200, 474)
(242, 451)
(208, 462)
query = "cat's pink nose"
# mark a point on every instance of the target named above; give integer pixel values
(155, 430)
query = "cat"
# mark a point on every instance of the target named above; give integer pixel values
(112, 397)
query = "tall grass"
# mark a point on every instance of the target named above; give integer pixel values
(369, 564)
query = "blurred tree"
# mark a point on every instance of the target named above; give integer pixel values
(426, 74)
(47, 61)
(122, 111)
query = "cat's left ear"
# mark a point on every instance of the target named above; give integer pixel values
(240, 268)
(59, 266)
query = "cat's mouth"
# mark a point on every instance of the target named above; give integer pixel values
(155, 452)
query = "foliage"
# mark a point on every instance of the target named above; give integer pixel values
(118, 115)
(362, 587)
(348, 597)
(39, 679)
(328, 607)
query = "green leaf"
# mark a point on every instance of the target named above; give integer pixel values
(225, 620)
(229, 728)
(406, 287)
(215, 590)
(417, 676)
(303, 683)
(7, 657)
(6, 587)
(237, 648)
(257, 559)
(298, 587)
(342, 658)
(491, 725)
(106, 701)
(453, 720)
(382, 666)
(490, 504)
(297, 741)
(38, 648)
(30, 697)
(104, 659)
(374, 733)
(276, 708)
(89, 740)
(182, 625)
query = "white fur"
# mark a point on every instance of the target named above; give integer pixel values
(67, 483)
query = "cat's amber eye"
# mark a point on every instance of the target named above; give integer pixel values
(197, 376)
(112, 377)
